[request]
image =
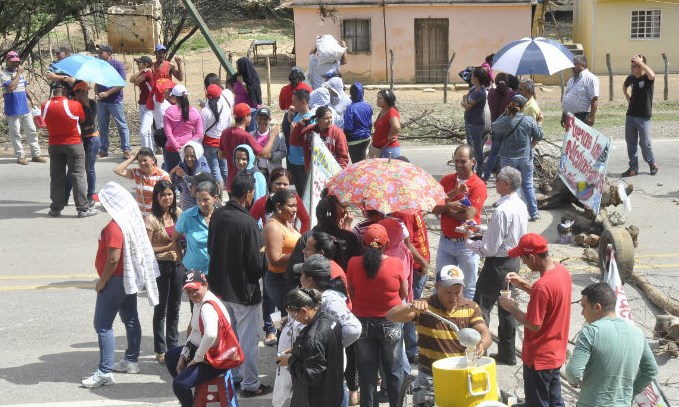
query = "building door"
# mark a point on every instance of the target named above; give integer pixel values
(431, 49)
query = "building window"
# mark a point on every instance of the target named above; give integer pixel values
(645, 24)
(356, 33)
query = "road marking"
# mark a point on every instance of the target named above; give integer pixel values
(452, 146)
(45, 287)
(47, 276)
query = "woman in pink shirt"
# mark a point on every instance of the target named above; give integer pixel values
(182, 123)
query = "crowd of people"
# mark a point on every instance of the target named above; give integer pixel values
(354, 312)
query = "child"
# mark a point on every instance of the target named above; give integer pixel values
(144, 79)
(244, 160)
(261, 135)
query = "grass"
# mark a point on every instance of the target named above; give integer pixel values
(280, 30)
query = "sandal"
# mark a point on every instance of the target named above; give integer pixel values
(160, 357)
(654, 169)
(630, 173)
(270, 339)
(262, 390)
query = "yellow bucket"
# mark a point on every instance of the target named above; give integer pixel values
(456, 385)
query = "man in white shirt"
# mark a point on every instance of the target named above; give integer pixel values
(506, 226)
(582, 93)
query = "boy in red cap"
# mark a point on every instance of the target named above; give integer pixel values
(237, 135)
(546, 320)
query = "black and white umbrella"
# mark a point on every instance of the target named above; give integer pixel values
(533, 56)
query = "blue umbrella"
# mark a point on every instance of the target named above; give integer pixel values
(90, 69)
(533, 56)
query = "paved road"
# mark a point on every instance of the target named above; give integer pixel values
(47, 278)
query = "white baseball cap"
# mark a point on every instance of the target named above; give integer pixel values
(179, 90)
(450, 275)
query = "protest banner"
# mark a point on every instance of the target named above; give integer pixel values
(584, 159)
(322, 167)
(651, 396)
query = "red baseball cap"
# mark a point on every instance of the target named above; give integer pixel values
(530, 243)
(241, 110)
(213, 92)
(13, 56)
(375, 236)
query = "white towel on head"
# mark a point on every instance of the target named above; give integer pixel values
(140, 268)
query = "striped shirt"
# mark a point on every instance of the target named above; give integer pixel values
(506, 226)
(144, 186)
(579, 92)
(437, 340)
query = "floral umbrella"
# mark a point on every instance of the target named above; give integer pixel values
(387, 186)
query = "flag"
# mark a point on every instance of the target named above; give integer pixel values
(322, 167)
(652, 396)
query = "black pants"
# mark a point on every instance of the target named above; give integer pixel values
(298, 174)
(542, 387)
(583, 116)
(358, 151)
(166, 313)
(491, 281)
(350, 373)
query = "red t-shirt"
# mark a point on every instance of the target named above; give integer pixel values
(285, 97)
(232, 138)
(63, 118)
(374, 297)
(477, 194)
(258, 212)
(337, 271)
(550, 307)
(161, 71)
(111, 238)
(145, 88)
(417, 230)
(382, 128)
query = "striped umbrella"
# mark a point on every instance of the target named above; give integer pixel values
(533, 56)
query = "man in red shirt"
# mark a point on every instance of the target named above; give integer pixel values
(237, 135)
(546, 321)
(62, 117)
(163, 68)
(466, 195)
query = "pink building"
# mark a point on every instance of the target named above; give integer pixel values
(422, 33)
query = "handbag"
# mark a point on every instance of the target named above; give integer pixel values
(226, 353)
(160, 138)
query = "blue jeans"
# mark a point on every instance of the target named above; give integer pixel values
(217, 165)
(392, 152)
(277, 287)
(542, 387)
(638, 131)
(253, 122)
(171, 159)
(189, 378)
(166, 313)
(91, 145)
(457, 254)
(492, 158)
(409, 332)
(112, 300)
(268, 308)
(525, 165)
(380, 342)
(474, 133)
(104, 113)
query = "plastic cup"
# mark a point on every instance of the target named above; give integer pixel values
(505, 293)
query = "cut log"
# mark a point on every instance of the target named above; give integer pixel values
(657, 297)
(662, 323)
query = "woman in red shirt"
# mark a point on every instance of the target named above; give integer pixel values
(296, 79)
(279, 180)
(387, 126)
(376, 283)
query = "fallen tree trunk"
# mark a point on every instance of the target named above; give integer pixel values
(657, 297)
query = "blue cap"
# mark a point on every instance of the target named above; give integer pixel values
(160, 47)
(330, 74)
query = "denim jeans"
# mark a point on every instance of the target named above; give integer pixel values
(392, 152)
(189, 378)
(71, 156)
(474, 133)
(104, 113)
(145, 127)
(245, 321)
(217, 165)
(638, 131)
(253, 123)
(277, 287)
(380, 342)
(457, 254)
(15, 123)
(112, 300)
(492, 159)
(166, 313)
(268, 308)
(525, 165)
(542, 387)
(409, 332)
(298, 174)
(91, 146)
(171, 159)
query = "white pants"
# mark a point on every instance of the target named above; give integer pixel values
(145, 130)
(25, 121)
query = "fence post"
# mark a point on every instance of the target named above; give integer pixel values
(666, 90)
(445, 79)
(391, 70)
(268, 82)
(561, 83)
(610, 77)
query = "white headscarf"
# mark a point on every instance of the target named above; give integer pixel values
(197, 149)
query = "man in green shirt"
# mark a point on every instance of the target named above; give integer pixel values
(612, 361)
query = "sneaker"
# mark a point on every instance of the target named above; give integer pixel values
(629, 173)
(87, 213)
(654, 169)
(98, 379)
(126, 155)
(262, 390)
(535, 218)
(91, 203)
(103, 154)
(22, 160)
(53, 213)
(160, 357)
(38, 159)
(126, 367)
